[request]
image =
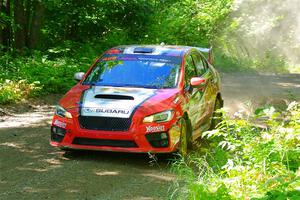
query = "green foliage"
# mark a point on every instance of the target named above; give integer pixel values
(12, 91)
(229, 63)
(4, 20)
(187, 22)
(40, 74)
(75, 33)
(266, 62)
(240, 160)
(84, 21)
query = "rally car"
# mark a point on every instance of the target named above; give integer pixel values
(150, 99)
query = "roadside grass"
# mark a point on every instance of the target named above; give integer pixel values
(36, 74)
(12, 91)
(244, 160)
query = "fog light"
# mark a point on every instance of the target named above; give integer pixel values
(158, 140)
(57, 134)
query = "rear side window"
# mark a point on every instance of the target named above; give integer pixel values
(199, 63)
(190, 71)
(204, 62)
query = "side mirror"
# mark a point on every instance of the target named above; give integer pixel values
(78, 76)
(198, 82)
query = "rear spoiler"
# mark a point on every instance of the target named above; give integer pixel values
(209, 53)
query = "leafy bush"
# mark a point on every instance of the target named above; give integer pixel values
(12, 91)
(187, 22)
(51, 73)
(241, 160)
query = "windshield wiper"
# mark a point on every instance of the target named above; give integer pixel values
(123, 85)
(89, 83)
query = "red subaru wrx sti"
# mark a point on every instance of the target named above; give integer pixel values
(155, 99)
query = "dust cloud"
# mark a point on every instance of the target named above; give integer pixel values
(268, 26)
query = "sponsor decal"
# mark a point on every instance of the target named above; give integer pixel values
(128, 58)
(152, 129)
(166, 58)
(106, 110)
(60, 124)
(99, 107)
(114, 51)
(109, 58)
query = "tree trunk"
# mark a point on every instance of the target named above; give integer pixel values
(20, 20)
(37, 19)
(6, 32)
(2, 23)
(28, 14)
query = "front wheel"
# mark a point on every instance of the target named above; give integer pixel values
(183, 147)
(216, 116)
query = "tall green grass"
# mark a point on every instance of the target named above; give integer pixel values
(39, 73)
(244, 160)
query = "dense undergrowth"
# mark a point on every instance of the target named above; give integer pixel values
(244, 160)
(43, 73)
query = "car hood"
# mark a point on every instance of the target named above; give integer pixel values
(113, 102)
(99, 101)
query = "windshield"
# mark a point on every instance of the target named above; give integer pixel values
(143, 71)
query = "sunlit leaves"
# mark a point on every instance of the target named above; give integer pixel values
(12, 91)
(259, 162)
(188, 22)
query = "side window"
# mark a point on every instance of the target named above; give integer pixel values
(190, 71)
(200, 65)
(204, 62)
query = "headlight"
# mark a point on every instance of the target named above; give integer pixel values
(160, 117)
(60, 111)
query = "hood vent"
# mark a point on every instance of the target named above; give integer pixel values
(143, 50)
(113, 96)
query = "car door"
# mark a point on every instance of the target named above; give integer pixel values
(212, 88)
(193, 95)
(207, 102)
(203, 103)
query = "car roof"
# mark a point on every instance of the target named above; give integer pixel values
(167, 50)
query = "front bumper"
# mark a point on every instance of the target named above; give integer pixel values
(67, 134)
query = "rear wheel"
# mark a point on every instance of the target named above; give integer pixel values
(216, 116)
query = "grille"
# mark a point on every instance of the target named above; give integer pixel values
(104, 123)
(104, 142)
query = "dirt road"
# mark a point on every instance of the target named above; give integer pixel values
(31, 169)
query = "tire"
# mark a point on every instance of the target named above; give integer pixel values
(216, 117)
(189, 134)
(183, 147)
